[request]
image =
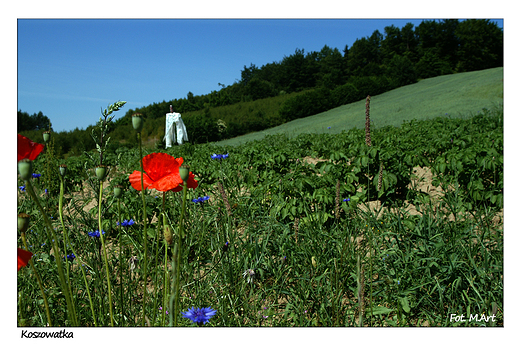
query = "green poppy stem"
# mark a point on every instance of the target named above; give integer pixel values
(166, 275)
(60, 203)
(121, 275)
(177, 257)
(52, 235)
(105, 253)
(145, 263)
(66, 241)
(40, 284)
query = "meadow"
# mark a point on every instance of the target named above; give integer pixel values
(382, 226)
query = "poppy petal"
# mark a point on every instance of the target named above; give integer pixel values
(28, 148)
(158, 165)
(135, 180)
(167, 183)
(192, 183)
(23, 258)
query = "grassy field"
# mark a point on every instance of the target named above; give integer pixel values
(450, 95)
(297, 229)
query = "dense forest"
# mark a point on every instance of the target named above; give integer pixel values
(305, 83)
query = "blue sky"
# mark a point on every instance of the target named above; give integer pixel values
(71, 68)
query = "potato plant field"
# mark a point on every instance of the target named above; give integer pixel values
(396, 226)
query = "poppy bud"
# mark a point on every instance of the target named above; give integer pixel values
(168, 234)
(137, 122)
(63, 169)
(118, 191)
(23, 222)
(101, 172)
(25, 169)
(184, 172)
(46, 136)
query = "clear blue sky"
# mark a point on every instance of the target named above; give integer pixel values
(71, 68)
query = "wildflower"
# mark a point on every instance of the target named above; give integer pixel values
(95, 233)
(200, 199)
(22, 188)
(161, 173)
(71, 257)
(132, 261)
(126, 223)
(36, 175)
(225, 248)
(23, 258)
(219, 156)
(28, 149)
(199, 315)
(346, 200)
(46, 191)
(249, 274)
(329, 127)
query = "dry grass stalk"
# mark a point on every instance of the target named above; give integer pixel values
(224, 197)
(368, 139)
(380, 179)
(337, 209)
(296, 221)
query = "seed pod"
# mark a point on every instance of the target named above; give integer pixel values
(25, 169)
(101, 172)
(23, 222)
(184, 171)
(63, 169)
(137, 122)
(46, 136)
(118, 191)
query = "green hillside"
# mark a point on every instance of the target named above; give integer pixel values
(449, 95)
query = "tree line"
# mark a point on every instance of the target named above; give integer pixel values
(321, 80)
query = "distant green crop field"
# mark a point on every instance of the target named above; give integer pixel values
(451, 95)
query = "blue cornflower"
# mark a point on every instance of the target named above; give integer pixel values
(36, 175)
(347, 199)
(220, 156)
(126, 223)
(22, 188)
(329, 127)
(200, 199)
(199, 315)
(95, 233)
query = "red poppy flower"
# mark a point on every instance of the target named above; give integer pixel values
(28, 148)
(161, 173)
(23, 258)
